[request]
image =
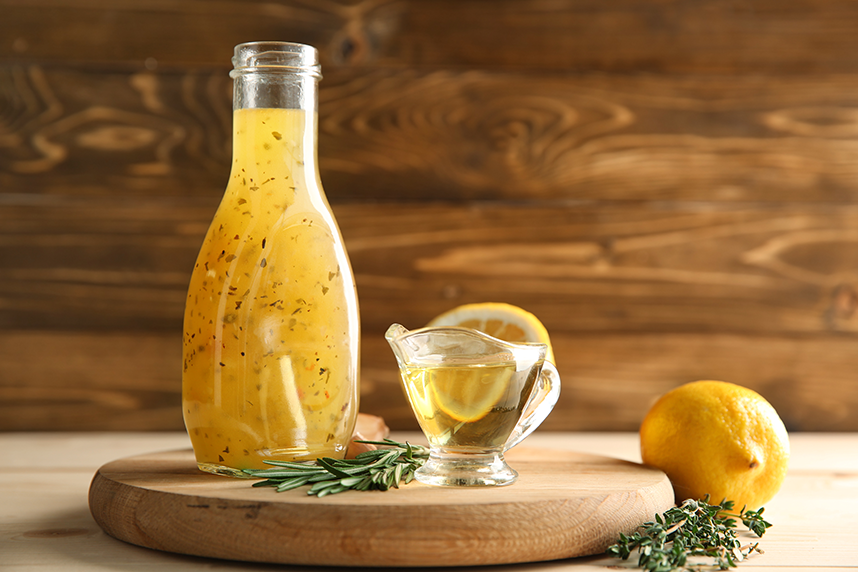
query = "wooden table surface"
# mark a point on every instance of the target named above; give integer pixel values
(45, 523)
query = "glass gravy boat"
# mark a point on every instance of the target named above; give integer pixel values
(475, 397)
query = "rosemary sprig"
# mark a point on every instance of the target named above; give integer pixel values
(371, 470)
(693, 529)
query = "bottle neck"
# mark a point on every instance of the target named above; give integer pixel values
(274, 107)
(275, 75)
(275, 90)
(275, 103)
(275, 129)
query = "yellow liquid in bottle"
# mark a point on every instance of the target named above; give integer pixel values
(271, 325)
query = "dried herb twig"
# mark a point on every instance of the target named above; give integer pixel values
(693, 529)
(371, 470)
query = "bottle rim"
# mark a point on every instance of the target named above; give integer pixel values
(276, 56)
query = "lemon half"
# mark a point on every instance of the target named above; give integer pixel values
(500, 320)
(469, 394)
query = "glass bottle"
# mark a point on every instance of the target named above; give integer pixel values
(271, 329)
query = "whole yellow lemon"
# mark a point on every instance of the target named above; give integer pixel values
(717, 438)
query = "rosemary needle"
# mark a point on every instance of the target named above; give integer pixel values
(381, 469)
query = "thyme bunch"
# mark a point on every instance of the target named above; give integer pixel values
(693, 529)
(371, 470)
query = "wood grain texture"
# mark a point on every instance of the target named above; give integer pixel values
(446, 135)
(44, 478)
(112, 381)
(796, 36)
(67, 380)
(611, 380)
(107, 263)
(670, 186)
(635, 301)
(563, 505)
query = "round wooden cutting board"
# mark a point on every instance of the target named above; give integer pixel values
(564, 504)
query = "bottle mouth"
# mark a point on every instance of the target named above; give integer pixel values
(286, 57)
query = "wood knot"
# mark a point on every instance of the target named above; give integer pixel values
(841, 307)
(352, 46)
(844, 301)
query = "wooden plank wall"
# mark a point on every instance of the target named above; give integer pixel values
(670, 185)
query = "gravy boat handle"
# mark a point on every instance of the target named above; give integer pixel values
(541, 402)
